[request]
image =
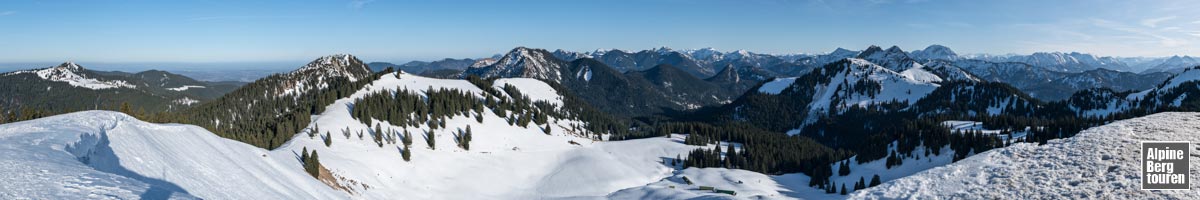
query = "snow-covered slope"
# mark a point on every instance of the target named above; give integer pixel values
(1098, 163)
(876, 84)
(504, 162)
(534, 89)
(109, 155)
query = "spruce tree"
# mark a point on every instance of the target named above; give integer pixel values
(406, 153)
(316, 164)
(844, 169)
(407, 140)
(429, 139)
(862, 183)
(378, 135)
(875, 180)
(328, 139)
(304, 156)
(844, 189)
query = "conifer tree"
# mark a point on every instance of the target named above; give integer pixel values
(860, 184)
(844, 189)
(378, 135)
(328, 139)
(406, 154)
(407, 140)
(125, 108)
(304, 156)
(315, 164)
(844, 168)
(875, 180)
(429, 139)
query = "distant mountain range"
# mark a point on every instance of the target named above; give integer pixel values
(1048, 75)
(71, 87)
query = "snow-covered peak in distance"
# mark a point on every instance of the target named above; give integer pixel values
(71, 66)
(1173, 62)
(523, 62)
(893, 58)
(569, 55)
(663, 50)
(843, 52)
(935, 52)
(343, 65)
(706, 54)
(75, 75)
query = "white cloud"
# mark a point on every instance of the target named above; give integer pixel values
(6, 13)
(1153, 22)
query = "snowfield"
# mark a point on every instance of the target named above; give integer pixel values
(1099, 163)
(534, 89)
(109, 155)
(504, 162)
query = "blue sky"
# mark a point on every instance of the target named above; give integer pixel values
(382, 30)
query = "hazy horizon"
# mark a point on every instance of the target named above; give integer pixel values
(400, 31)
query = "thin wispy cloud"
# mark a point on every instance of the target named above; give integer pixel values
(1164, 40)
(357, 4)
(7, 13)
(1153, 22)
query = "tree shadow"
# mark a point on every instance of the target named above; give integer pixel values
(94, 150)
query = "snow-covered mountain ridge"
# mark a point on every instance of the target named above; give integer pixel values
(73, 74)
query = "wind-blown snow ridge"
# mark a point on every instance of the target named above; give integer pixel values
(1099, 163)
